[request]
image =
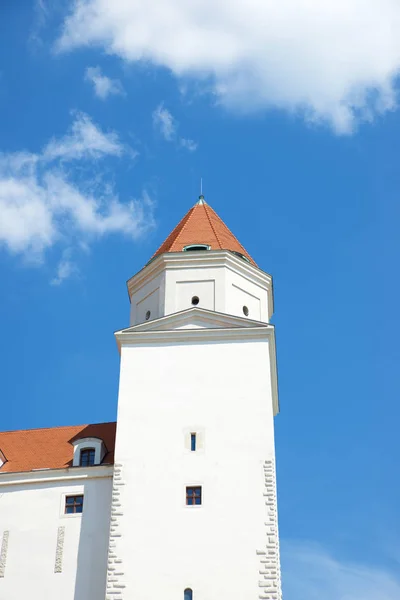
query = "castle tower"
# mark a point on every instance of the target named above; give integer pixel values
(194, 513)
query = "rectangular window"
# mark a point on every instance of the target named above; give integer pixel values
(87, 457)
(193, 442)
(73, 504)
(193, 496)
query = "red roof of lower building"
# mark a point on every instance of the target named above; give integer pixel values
(202, 225)
(26, 450)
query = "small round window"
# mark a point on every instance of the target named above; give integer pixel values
(148, 315)
(195, 300)
(245, 311)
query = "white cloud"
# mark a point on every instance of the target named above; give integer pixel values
(26, 219)
(190, 145)
(41, 14)
(41, 204)
(103, 85)
(65, 269)
(311, 573)
(334, 61)
(167, 125)
(164, 122)
(96, 214)
(85, 140)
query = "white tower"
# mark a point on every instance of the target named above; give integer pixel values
(194, 513)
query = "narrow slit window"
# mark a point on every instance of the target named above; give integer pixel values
(188, 594)
(193, 442)
(193, 495)
(73, 504)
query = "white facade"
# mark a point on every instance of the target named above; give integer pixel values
(209, 370)
(221, 281)
(44, 553)
(197, 398)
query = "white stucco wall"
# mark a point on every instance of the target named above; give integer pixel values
(162, 546)
(32, 512)
(149, 296)
(241, 292)
(222, 282)
(207, 283)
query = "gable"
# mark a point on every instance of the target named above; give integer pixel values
(194, 318)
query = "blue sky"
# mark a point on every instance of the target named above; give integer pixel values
(108, 119)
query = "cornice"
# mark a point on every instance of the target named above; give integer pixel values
(198, 260)
(168, 336)
(56, 475)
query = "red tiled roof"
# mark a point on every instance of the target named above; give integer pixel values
(52, 448)
(202, 225)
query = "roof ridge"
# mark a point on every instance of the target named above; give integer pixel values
(212, 226)
(57, 427)
(187, 221)
(230, 231)
(180, 225)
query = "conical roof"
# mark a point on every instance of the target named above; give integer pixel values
(202, 225)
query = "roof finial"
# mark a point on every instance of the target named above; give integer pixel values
(201, 197)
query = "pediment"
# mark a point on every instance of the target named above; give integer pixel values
(195, 318)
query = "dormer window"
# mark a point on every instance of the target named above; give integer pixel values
(240, 255)
(87, 457)
(88, 452)
(196, 247)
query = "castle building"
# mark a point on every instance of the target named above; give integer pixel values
(177, 500)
